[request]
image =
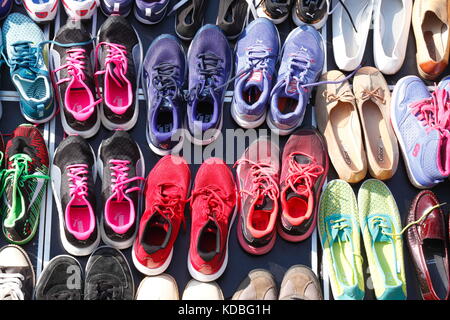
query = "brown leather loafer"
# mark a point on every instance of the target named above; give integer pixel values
(427, 242)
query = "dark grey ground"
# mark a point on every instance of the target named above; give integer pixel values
(47, 243)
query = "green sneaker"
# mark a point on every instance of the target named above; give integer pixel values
(340, 238)
(24, 183)
(380, 224)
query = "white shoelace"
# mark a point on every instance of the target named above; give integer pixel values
(11, 286)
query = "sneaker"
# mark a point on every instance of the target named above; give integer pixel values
(304, 171)
(24, 183)
(381, 231)
(421, 131)
(210, 64)
(118, 60)
(5, 9)
(108, 276)
(302, 60)
(121, 167)
(27, 60)
(232, 17)
(258, 174)
(275, 10)
(120, 7)
(73, 176)
(40, 11)
(196, 290)
(166, 193)
(150, 11)
(256, 57)
(312, 12)
(258, 285)
(17, 276)
(213, 209)
(61, 279)
(80, 9)
(162, 287)
(75, 87)
(340, 237)
(189, 18)
(300, 283)
(163, 79)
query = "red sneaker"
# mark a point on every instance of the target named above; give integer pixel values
(258, 175)
(304, 170)
(166, 194)
(213, 209)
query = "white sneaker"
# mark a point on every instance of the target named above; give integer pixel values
(161, 287)
(80, 10)
(349, 45)
(196, 290)
(41, 11)
(392, 20)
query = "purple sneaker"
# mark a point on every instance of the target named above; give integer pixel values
(419, 121)
(151, 11)
(210, 62)
(256, 57)
(163, 78)
(120, 7)
(302, 61)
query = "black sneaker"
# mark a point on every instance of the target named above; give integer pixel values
(108, 276)
(119, 56)
(121, 167)
(312, 12)
(17, 277)
(75, 81)
(73, 176)
(275, 10)
(61, 279)
(189, 18)
(232, 17)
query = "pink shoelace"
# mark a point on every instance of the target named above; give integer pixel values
(215, 199)
(120, 181)
(263, 182)
(76, 66)
(169, 205)
(434, 112)
(117, 55)
(78, 180)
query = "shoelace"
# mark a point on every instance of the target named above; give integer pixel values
(215, 199)
(164, 81)
(376, 94)
(209, 67)
(346, 96)
(117, 55)
(78, 180)
(25, 55)
(434, 112)
(18, 174)
(120, 180)
(168, 205)
(263, 184)
(303, 174)
(11, 286)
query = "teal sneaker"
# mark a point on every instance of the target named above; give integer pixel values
(381, 229)
(28, 60)
(340, 237)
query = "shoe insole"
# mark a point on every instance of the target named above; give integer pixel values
(77, 99)
(436, 36)
(207, 241)
(119, 213)
(385, 253)
(164, 121)
(252, 95)
(377, 134)
(287, 105)
(205, 111)
(352, 39)
(260, 219)
(435, 258)
(79, 218)
(392, 15)
(297, 207)
(156, 235)
(344, 131)
(116, 95)
(342, 257)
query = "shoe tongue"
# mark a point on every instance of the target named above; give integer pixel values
(291, 90)
(116, 74)
(264, 203)
(25, 73)
(170, 191)
(256, 79)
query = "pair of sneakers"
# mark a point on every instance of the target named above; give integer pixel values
(109, 95)
(148, 12)
(262, 187)
(44, 11)
(107, 277)
(282, 97)
(209, 61)
(342, 220)
(213, 209)
(120, 165)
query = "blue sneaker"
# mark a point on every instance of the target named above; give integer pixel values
(418, 121)
(120, 7)
(302, 60)
(27, 59)
(210, 63)
(256, 56)
(163, 78)
(150, 12)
